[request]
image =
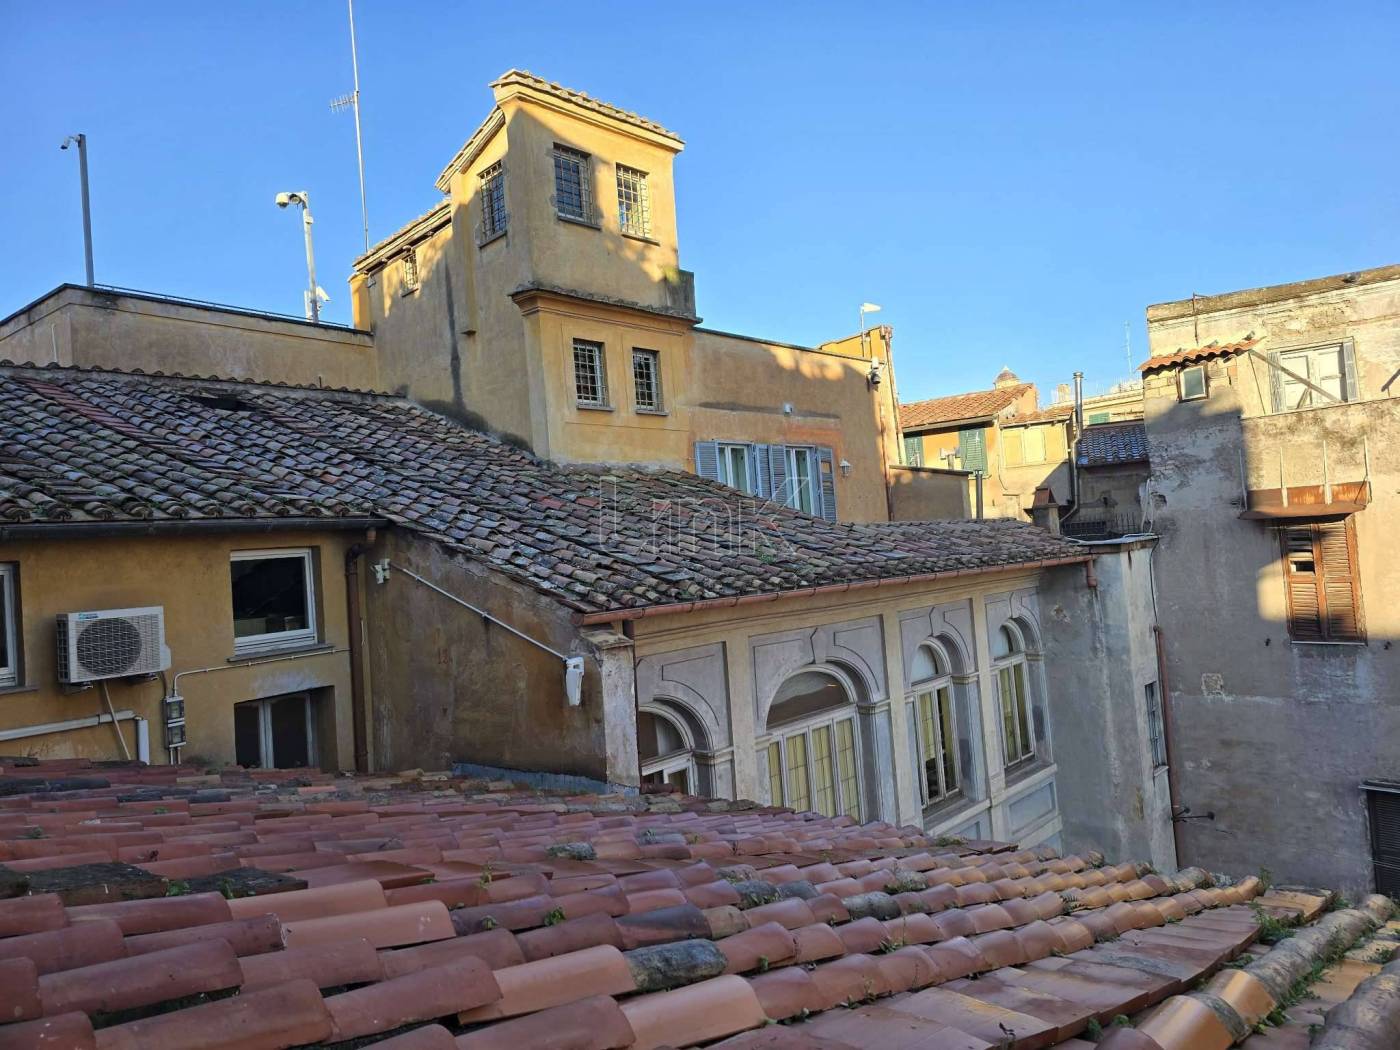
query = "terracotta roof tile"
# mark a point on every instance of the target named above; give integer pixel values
(85, 446)
(1200, 353)
(917, 415)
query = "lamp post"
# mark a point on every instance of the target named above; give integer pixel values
(314, 295)
(80, 140)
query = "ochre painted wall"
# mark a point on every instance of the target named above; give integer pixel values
(189, 577)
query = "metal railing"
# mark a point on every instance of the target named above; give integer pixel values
(1102, 525)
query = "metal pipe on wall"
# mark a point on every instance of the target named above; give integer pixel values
(1168, 742)
(357, 674)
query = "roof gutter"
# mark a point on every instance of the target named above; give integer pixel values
(647, 612)
(58, 530)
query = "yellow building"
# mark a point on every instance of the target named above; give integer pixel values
(543, 299)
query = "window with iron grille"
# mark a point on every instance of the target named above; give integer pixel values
(646, 379)
(493, 202)
(573, 184)
(590, 379)
(633, 202)
(1320, 581)
(1156, 732)
(410, 270)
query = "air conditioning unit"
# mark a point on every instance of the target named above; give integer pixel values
(112, 643)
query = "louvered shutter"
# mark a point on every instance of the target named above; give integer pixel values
(1276, 382)
(778, 475)
(707, 459)
(1301, 581)
(826, 467)
(913, 450)
(762, 480)
(1385, 841)
(1341, 622)
(972, 449)
(1350, 390)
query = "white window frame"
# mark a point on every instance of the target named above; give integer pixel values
(1181, 394)
(600, 358)
(658, 403)
(783, 735)
(1025, 748)
(726, 450)
(1156, 727)
(931, 688)
(680, 760)
(1302, 361)
(259, 643)
(265, 748)
(793, 497)
(633, 181)
(9, 614)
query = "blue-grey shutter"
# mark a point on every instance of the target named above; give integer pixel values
(778, 475)
(707, 459)
(913, 450)
(1351, 392)
(826, 468)
(972, 449)
(758, 463)
(1276, 382)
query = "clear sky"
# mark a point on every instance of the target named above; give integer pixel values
(1012, 182)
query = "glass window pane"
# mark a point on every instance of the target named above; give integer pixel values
(950, 739)
(846, 768)
(823, 773)
(798, 792)
(806, 694)
(928, 732)
(1023, 710)
(803, 480)
(1008, 714)
(269, 595)
(775, 775)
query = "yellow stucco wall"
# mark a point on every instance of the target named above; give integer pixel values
(189, 577)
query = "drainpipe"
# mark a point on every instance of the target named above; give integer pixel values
(1074, 448)
(1173, 785)
(357, 674)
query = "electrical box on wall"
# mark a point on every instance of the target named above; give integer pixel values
(111, 643)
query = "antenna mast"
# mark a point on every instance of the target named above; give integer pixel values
(353, 101)
(1128, 345)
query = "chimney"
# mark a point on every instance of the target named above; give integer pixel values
(1078, 403)
(1045, 512)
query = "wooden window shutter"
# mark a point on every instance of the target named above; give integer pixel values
(1324, 601)
(826, 467)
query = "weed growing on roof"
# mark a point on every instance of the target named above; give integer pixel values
(160, 810)
(34, 833)
(1266, 879)
(1122, 1021)
(647, 837)
(484, 879)
(1339, 903)
(177, 888)
(489, 923)
(891, 944)
(1093, 1031)
(554, 917)
(1271, 930)
(950, 840)
(1299, 990)
(763, 964)
(226, 888)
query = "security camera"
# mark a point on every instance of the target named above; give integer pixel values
(64, 145)
(283, 199)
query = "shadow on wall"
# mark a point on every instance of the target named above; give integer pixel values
(1280, 634)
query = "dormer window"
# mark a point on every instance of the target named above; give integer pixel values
(633, 202)
(573, 185)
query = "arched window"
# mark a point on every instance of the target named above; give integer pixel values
(812, 754)
(935, 724)
(1009, 661)
(665, 751)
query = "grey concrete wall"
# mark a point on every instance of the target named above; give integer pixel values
(1275, 736)
(452, 688)
(1103, 657)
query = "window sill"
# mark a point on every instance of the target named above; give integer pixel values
(1024, 770)
(651, 412)
(1356, 645)
(291, 649)
(937, 812)
(409, 291)
(644, 238)
(594, 408)
(492, 239)
(8, 690)
(578, 221)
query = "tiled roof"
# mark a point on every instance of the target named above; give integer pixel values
(164, 908)
(1104, 444)
(89, 446)
(1053, 414)
(980, 403)
(1200, 353)
(579, 98)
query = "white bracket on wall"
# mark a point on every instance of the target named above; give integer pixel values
(381, 571)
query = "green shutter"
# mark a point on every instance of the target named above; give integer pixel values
(972, 449)
(913, 450)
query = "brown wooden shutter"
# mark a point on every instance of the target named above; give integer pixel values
(1324, 602)
(1341, 604)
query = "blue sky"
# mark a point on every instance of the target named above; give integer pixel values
(1012, 182)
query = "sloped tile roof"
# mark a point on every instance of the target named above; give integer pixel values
(1055, 413)
(1199, 353)
(1105, 444)
(976, 405)
(442, 912)
(579, 98)
(90, 446)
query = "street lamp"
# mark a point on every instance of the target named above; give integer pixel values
(80, 140)
(315, 294)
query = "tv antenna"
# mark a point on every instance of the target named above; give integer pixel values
(352, 101)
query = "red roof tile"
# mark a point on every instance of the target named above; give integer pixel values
(1200, 353)
(979, 404)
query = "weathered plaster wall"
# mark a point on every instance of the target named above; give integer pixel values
(451, 687)
(1276, 736)
(928, 494)
(1111, 797)
(100, 329)
(189, 577)
(1112, 490)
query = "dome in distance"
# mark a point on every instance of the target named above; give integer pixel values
(1006, 378)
